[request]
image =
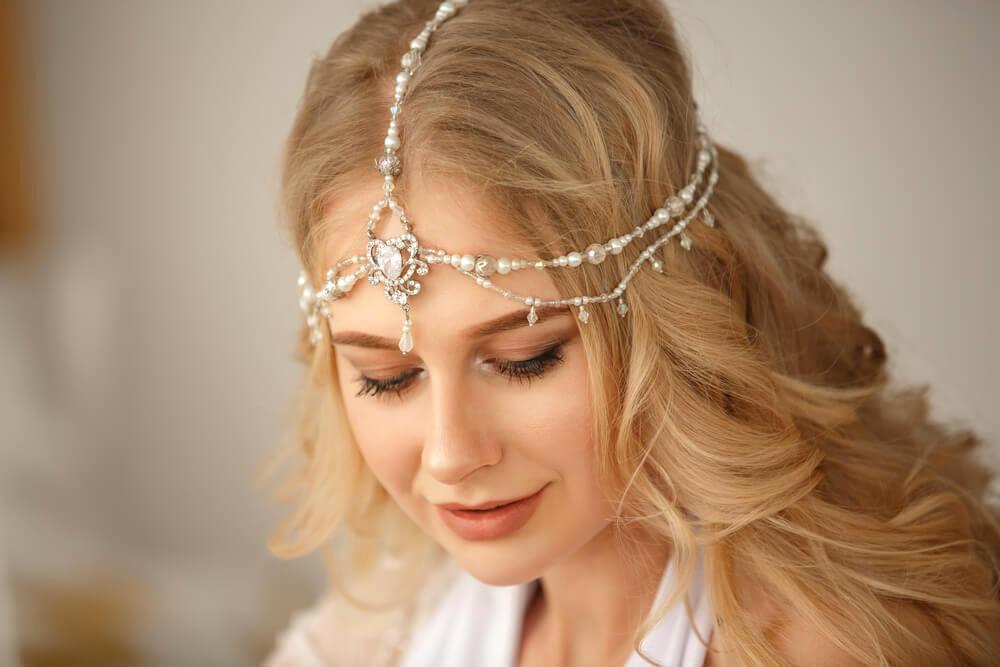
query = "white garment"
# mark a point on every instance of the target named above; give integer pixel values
(478, 624)
(462, 622)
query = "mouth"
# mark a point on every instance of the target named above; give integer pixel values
(485, 523)
(488, 505)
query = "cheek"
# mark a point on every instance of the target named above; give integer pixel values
(544, 429)
(383, 433)
(558, 436)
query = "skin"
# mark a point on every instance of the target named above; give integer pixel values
(460, 431)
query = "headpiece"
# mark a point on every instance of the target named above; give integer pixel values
(396, 263)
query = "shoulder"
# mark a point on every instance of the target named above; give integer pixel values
(804, 646)
(794, 637)
(333, 632)
(798, 642)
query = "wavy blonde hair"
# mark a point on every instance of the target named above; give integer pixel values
(742, 406)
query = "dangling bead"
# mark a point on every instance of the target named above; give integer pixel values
(686, 241)
(622, 307)
(708, 218)
(657, 265)
(532, 316)
(583, 315)
(406, 340)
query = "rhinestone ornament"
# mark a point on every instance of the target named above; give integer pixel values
(396, 263)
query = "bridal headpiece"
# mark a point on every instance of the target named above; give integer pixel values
(397, 263)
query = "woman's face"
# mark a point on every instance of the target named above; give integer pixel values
(469, 415)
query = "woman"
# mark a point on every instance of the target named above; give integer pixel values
(701, 461)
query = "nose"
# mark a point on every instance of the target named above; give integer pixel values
(460, 439)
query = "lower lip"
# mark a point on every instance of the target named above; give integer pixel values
(491, 524)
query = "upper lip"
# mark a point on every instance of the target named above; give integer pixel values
(482, 506)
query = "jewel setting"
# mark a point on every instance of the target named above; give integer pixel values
(395, 262)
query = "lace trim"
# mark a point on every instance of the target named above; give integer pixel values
(332, 633)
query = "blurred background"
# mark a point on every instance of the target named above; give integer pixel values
(148, 300)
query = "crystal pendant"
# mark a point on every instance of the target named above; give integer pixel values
(657, 266)
(622, 307)
(686, 241)
(389, 260)
(532, 317)
(583, 315)
(405, 341)
(709, 219)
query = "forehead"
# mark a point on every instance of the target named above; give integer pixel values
(447, 215)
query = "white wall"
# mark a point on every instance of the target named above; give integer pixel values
(877, 120)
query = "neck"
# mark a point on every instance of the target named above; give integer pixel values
(589, 605)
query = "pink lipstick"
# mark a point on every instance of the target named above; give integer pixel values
(488, 524)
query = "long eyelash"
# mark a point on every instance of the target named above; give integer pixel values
(377, 388)
(521, 371)
(527, 370)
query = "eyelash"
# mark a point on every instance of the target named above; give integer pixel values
(522, 371)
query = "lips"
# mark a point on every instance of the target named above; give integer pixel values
(490, 504)
(486, 524)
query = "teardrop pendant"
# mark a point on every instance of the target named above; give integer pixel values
(622, 307)
(532, 317)
(406, 340)
(583, 315)
(686, 241)
(708, 218)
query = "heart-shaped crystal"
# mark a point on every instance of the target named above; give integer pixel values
(389, 261)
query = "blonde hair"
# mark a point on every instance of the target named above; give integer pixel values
(742, 407)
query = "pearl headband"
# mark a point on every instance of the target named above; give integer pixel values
(394, 262)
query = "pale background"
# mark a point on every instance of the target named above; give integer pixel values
(145, 357)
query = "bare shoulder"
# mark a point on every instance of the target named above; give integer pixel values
(800, 643)
(797, 640)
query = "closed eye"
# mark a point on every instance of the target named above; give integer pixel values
(523, 370)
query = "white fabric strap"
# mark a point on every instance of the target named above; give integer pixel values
(479, 624)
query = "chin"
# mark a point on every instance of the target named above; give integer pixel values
(504, 562)
(502, 570)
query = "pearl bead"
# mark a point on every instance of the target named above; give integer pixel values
(662, 214)
(392, 142)
(616, 246)
(503, 265)
(596, 253)
(468, 263)
(455, 260)
(486, 265)
(575, 259)
(676, 205)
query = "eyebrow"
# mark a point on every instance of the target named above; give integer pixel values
(508, 322)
